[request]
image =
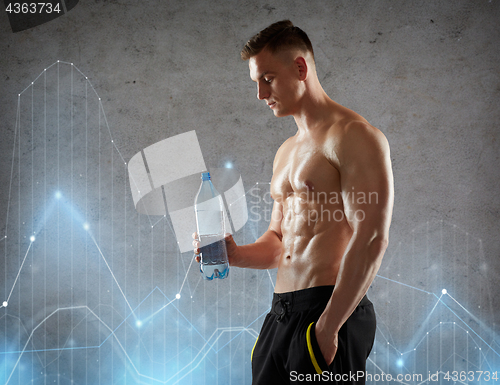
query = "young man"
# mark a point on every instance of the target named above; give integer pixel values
(332, 187)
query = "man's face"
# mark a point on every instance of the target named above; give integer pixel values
(277, 81)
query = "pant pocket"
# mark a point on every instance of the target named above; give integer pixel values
(314, 351)
(254, 345)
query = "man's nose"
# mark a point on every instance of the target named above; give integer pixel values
(262, 92)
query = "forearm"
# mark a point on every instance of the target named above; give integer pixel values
(263, 254)
(357, 271)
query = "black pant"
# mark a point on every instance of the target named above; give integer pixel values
(286, 351)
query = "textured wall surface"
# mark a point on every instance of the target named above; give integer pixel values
(91, 299)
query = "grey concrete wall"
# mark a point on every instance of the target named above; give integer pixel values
(426, 73)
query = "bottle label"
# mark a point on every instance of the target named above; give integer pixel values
(209, 221)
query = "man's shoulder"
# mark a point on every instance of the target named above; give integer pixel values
(354, 128)
(282, 149)
(284, 145)
(352, 135)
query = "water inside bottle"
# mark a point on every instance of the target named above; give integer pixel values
(214, 271)
(213, 257)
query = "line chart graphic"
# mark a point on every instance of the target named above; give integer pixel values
(95, 293)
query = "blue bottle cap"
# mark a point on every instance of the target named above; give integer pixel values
(205, 176)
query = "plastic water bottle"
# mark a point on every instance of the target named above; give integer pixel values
(209, 209)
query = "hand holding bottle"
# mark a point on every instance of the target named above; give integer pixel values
(231, 246)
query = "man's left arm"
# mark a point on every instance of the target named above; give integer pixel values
(368, 195)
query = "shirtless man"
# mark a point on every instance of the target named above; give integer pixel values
(332, 188)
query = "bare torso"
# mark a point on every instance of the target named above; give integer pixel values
(314, 228)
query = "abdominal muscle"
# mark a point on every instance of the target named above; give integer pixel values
(315, 237)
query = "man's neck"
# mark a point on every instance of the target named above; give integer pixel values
(315, 110)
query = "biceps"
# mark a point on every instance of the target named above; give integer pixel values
(370, 209)
(368, 196)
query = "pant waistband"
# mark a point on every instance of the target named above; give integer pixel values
(300, 300)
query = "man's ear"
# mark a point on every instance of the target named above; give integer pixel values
(301, 65)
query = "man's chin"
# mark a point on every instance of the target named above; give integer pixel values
(279, 114)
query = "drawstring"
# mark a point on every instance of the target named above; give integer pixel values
(284, 307)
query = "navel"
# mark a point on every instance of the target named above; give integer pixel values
(309, 185)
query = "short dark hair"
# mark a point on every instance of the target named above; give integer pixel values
(277, 37)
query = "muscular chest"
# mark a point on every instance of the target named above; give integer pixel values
(303, 167)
